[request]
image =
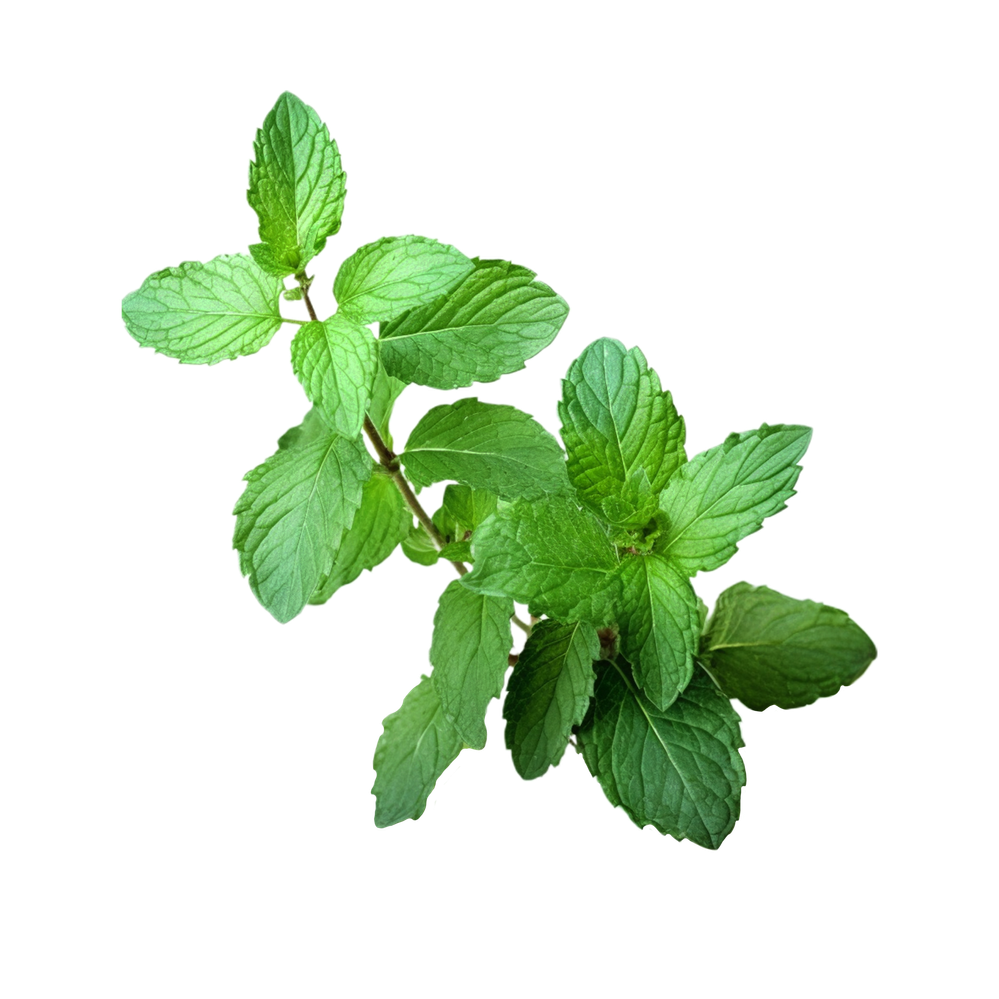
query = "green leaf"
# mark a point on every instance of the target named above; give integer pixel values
(548, 693)
(292, 516)
(384, 391)
(659, 626)
(470, 654)
(488, 325)
(264, 257)
(463, 510)
(416, 747)
(336, 362)
(496, 448)
(312, 428)
(722, 495)
(552, 556)
(460, 512)
(766, 648)
(457, 551)
(387, 277)
(297, 187)
(417, 547)
(205, 313)
(380, 524)
(678, 770)
(622, 433)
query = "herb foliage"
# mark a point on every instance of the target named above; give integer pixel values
(598, 536)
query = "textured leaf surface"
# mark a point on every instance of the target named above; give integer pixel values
(387, 277)
(766, 648)
(461, 511)
(723, 495)
(292, 516)
(417, 745)
(380, 524)
(622, 433)
(336, 362)
(470, 654)
(496, 448)
(488, 325)
(548, 693)
(297, 187)
(205, 313)
(384, 391)
(659, 626)
(678, 770)
(552, 556)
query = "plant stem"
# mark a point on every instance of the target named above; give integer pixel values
(390, 462)
(303, 283)
(388, 459)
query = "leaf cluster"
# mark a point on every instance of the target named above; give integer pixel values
(598, 535)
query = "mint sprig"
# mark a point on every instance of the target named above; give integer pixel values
(599, 536)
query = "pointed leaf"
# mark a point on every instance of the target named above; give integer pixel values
(659, 626)
(205, 313)
(548, 693)
(385, 390)
(336, 362)
(552, 556)
(678, 770)
(766, 648)
(379, 526)
(723, 495)
(460, 512)
(385, 278)
(416, 747)
(622, 433)
(470, 654)
(292, 516)
(488, 325)
(496, 448)
(297, 187)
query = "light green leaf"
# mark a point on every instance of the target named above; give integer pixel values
(678, 770)
(380, 524)
(384, 391)
(659, 626)
(312, 428)
(766, 648)
(293, 514)
(552, 556)
(264, 257)
(416, 747)
(496, 448)
(205, 313)
(336, 362)
(457, 551)
(622, 433)
(470, 654)
(419, 547)
(723, 495)
(460, 512)
(548, 693)
(702, 615)
(385, 278)
(297, 187)
(489, 325)
(463, 510)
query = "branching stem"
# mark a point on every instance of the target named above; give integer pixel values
(390, 462)
(388, 459)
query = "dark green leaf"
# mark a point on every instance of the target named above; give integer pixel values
(765, 648)
(457, 551)
(678, 770)
(548, 693)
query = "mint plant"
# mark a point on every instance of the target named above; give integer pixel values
(599, 540)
